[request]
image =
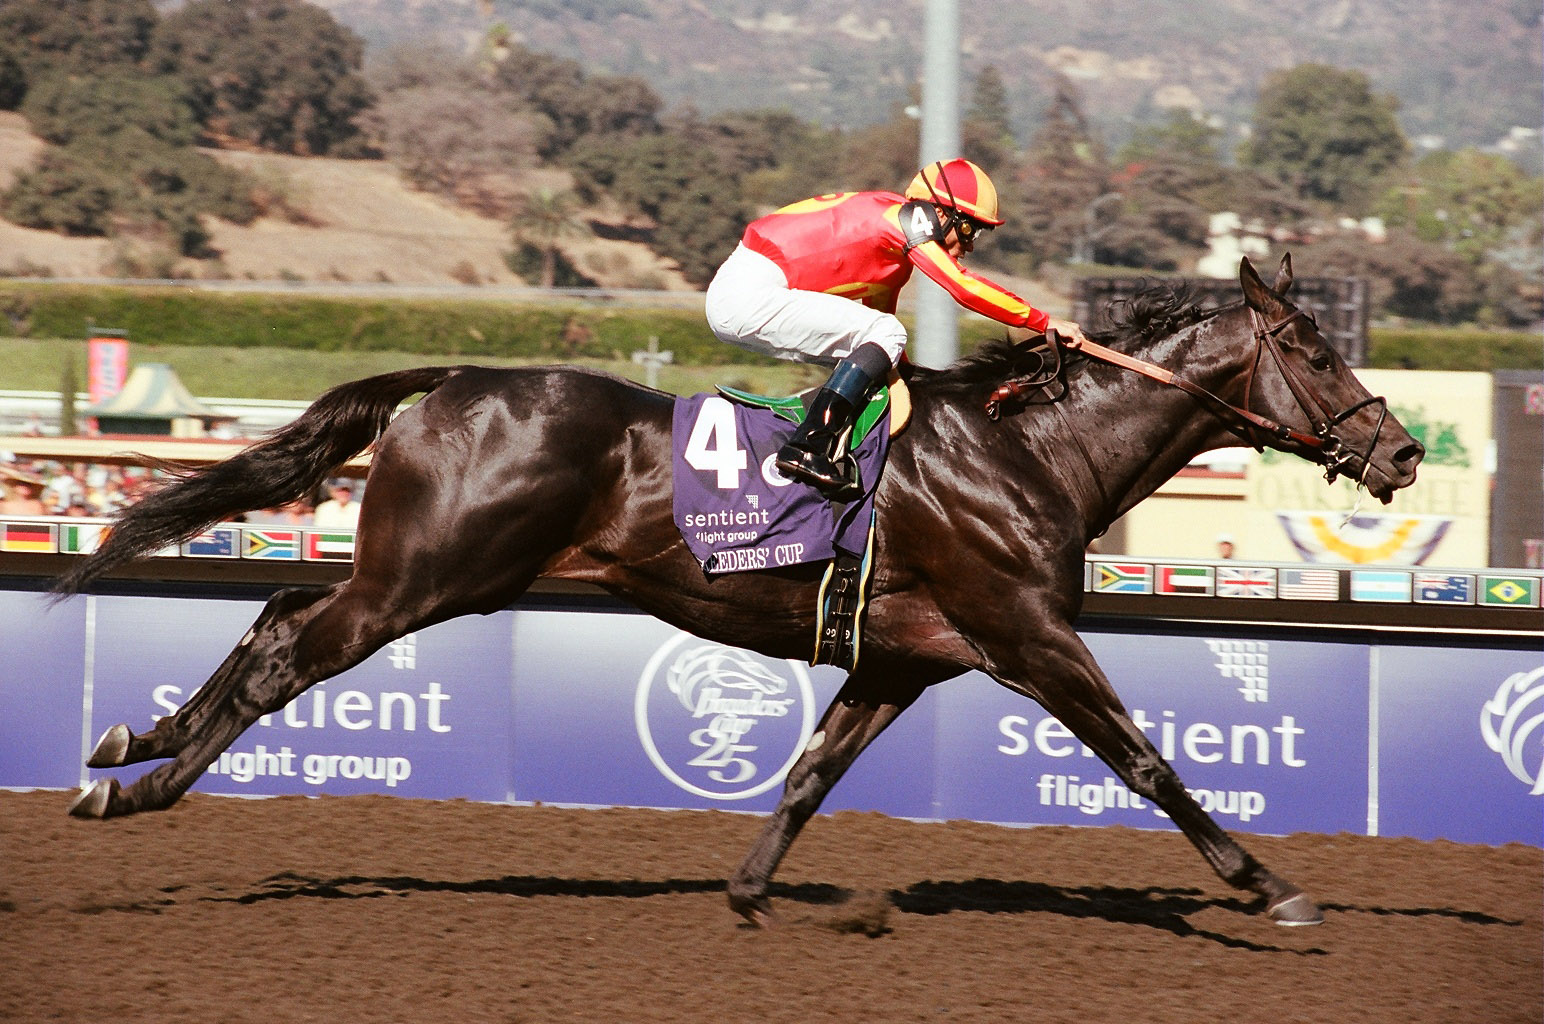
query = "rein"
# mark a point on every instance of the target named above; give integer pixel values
(1327, 447)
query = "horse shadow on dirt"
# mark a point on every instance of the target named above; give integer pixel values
(1164, 909)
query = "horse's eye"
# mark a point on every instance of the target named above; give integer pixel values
(1321, 363)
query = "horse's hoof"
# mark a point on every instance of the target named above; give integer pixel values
(755, 909)
(94, 799)
(112, 748)
(1295, 911)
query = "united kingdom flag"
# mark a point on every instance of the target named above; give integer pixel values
(1245, 581)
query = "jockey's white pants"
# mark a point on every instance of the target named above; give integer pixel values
(749, 304)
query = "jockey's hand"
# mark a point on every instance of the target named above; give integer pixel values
(1071, 334)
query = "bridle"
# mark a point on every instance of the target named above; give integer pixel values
(1330, 450)
(1324, 445)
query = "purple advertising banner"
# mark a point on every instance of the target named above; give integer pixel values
(623, 709)
(1461, 744)
(42, 686)
(425, 716)
(615, 708)
(1269, 736)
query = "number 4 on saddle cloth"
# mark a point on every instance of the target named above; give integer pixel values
(737, 513)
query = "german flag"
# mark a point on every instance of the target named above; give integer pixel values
(27, 537)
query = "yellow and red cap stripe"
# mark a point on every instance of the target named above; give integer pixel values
(960, 184)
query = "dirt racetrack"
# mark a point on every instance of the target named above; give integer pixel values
(378, 909)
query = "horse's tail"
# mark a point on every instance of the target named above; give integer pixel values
(279, 469)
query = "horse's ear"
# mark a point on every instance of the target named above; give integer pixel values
(1256, 293)
(1283, 275)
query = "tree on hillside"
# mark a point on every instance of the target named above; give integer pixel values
(13, 79)
(1181, 137)
(64, 193)
(1324, 132)
(987, 132)
(694, 204)
(1169, 180)
(68, 109)
(450, 140)
(776, 157)
(1054, 197)
(1488, 212)
(1475, 202)
(543, 220)
(578, 106)
(1407, 277)
(122, 160)
(49, 37)
(280, 75)
(884, 155)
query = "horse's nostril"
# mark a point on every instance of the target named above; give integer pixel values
(1410, 454)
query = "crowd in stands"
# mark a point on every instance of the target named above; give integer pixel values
(36, 487)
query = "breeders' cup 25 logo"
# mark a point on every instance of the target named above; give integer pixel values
(1512, 723)
(721, 722)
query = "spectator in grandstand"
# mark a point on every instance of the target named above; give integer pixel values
(296, 513)
(21, 498)
(340, 509)
(64, 488)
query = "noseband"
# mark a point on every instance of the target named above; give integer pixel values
(1326, 447)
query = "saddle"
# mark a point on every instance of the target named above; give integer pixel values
(894, 395)
(737, 513)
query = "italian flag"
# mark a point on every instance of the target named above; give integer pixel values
(81, 539)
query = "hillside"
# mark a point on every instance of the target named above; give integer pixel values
(348, 221)
(848, 62)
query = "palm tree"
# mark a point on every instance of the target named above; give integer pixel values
(544, 218)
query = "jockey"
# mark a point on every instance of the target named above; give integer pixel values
(818, 282)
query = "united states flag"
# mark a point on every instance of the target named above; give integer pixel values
(1309, 585)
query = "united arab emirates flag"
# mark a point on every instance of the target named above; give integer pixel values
(329, 547)
(1195, 580)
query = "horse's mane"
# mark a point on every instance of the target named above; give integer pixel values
(1156, 310)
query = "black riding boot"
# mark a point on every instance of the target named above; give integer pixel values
(814, 454)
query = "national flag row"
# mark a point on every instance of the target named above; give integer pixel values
(1388, 586)
(1394, 586)
(294, 544)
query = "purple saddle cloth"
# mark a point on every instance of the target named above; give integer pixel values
(736, 512)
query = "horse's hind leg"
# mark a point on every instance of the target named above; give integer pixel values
(866, 704)
(1077, 692)
(119, 746)
(300, 639)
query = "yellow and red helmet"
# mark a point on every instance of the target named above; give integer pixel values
(960, 185)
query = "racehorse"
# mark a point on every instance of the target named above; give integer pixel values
(498, 477)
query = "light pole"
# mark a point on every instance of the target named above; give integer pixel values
(937, 340)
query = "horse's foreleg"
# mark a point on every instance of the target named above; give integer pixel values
(861, 711)
(1077, 692)
(120, 746)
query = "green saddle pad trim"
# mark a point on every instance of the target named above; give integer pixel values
(791, 408)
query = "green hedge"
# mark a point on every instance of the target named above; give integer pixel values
(453, 327)
(1447, 348)
(536, 330)
(169, 316)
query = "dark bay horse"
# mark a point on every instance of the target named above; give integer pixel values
(499, 477)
